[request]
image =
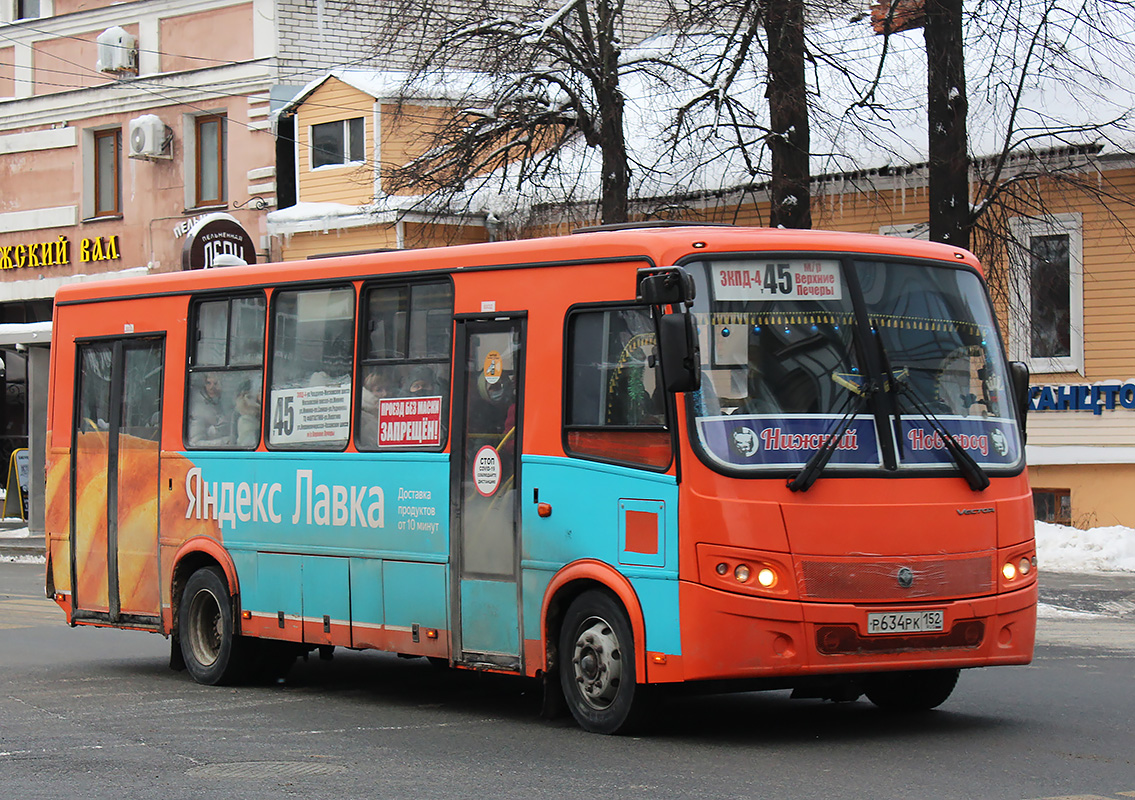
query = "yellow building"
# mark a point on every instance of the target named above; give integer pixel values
(349, 132)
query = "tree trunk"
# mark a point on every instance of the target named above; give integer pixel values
(615, 184)
(946, 117)
(790, 141)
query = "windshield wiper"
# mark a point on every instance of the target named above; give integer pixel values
(973, 473)
(810, 472)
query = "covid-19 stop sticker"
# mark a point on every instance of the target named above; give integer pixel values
(487, 471)
(493, 367)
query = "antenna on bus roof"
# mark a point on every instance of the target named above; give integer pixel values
(652, 223)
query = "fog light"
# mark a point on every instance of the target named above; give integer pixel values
(722, 568)
(741, 573)
(1023, 566)
(766, 578)
(1009, 571)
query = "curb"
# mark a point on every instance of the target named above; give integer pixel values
(23, 547)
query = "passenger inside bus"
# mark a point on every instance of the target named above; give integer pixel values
(208, 423)
(374, 389)
(420, 381)
(246, 415)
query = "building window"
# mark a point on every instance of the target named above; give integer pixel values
(29, 9)
(1053, 505)
(107, 171)
(1047, 310)
(338, 143)
(209, 167)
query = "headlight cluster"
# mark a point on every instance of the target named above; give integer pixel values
(746, 571)
(763, 575)
(1013, 569)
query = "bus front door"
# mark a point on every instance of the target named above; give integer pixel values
(114, 482)
(486, 459)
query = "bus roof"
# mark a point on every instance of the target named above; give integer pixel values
(658, 245)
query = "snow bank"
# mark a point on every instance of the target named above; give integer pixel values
(1064, 549)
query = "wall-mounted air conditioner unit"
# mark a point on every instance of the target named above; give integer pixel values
(118, 52)
(149, 138)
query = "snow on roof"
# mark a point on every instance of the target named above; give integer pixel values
(393, 85)
(1075, 92)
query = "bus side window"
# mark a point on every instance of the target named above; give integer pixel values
(226, 374)
(407, 347)
(309, 399)
(616, 406)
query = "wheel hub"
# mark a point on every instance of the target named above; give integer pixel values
(597, 663)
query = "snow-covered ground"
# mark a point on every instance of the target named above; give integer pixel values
(18, 533)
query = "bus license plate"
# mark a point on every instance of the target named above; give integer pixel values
(905, 621)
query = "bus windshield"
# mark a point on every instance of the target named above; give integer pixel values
(890, 356)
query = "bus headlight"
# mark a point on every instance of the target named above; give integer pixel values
(751, 572)
(1024, 566)
(1009, 571)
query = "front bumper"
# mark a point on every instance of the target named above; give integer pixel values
(731, 636)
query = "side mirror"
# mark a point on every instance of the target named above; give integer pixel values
(678, 346)
(664, 286)
(1019, 376)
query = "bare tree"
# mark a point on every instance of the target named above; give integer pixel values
(545, 79)
(739, 90)
(555, 78)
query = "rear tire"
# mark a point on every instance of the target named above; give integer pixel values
(213, 654)
(597, 665)
(919, 690)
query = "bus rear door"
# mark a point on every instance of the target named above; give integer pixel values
(485, 488)
(114, 501)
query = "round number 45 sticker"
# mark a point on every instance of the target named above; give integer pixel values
(487, 471)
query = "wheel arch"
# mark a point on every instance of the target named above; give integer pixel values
(572, 581)
(194, 554)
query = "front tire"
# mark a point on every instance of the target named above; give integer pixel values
(597, 665)
(213, 653)
(919, 690)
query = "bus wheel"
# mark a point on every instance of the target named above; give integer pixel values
(920, 690)
(597, 665)
(205, 627)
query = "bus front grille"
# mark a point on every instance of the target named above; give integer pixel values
(896, 579)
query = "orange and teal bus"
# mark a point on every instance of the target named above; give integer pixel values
(616, 460)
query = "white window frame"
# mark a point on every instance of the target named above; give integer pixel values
(346, 128)
(46, 9)
(189, 159)
(90, 177)
(1023, 229)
